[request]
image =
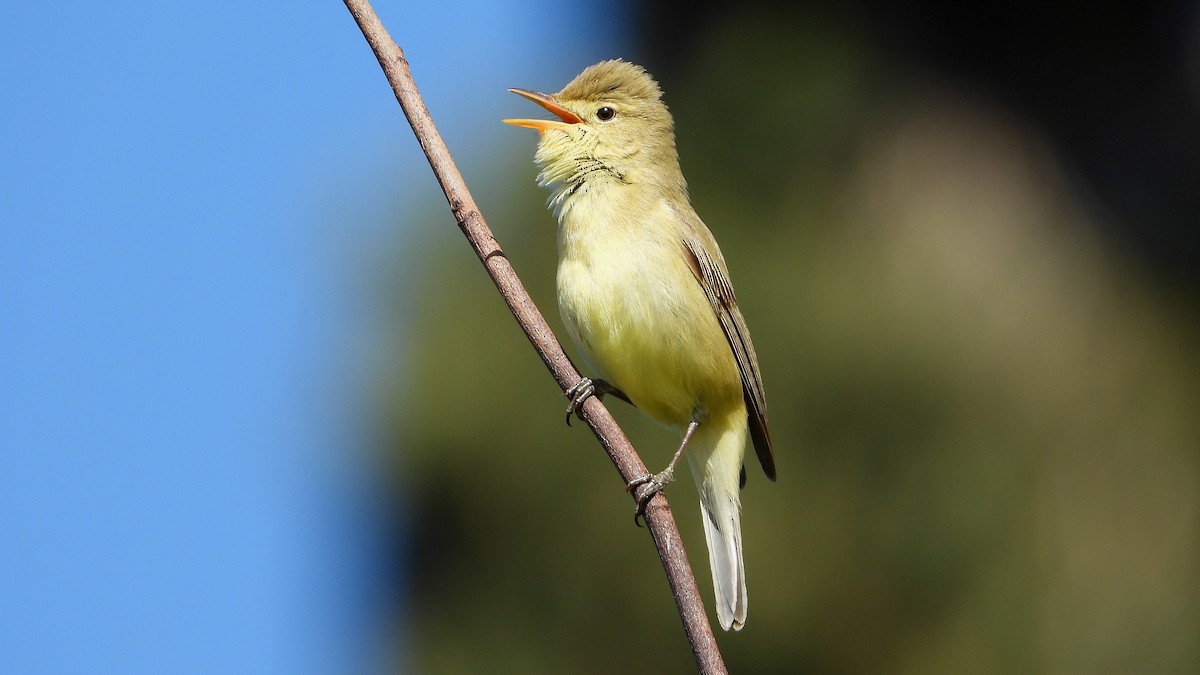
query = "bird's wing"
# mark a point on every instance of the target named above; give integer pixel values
(708, 265)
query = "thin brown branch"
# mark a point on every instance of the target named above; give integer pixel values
(658, 513)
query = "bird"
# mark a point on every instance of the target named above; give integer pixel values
(645, 295)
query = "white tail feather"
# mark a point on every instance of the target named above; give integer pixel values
(716, 461)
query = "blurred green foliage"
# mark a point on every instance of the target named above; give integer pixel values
(986, 418)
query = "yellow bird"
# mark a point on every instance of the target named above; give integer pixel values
(645, 294)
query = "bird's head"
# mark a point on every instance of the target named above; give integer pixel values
(612, 126)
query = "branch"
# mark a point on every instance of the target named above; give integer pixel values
(658, 513)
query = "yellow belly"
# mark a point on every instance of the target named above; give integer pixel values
(644, 324)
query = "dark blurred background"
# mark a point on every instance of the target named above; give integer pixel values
(965, 240)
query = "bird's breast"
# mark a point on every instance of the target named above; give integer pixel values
(640, 317)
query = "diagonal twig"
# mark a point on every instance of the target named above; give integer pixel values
(658, 513)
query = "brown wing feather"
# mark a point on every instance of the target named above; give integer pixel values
(710, 271)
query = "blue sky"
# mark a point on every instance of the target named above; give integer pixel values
(187, 191)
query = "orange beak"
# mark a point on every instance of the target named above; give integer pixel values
(547, 102)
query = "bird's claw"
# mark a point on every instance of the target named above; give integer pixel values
(656, 483)
(586, 388)
(581, 391)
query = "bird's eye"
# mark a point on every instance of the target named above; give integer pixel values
(605, 114)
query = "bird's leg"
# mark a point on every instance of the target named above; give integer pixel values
(659, 480)
(586, 388)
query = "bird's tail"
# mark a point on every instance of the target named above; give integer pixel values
(715, 455)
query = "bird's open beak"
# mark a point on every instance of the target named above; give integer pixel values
(548, 103)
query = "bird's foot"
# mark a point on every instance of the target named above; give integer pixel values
(586, 388)
(655, 483)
